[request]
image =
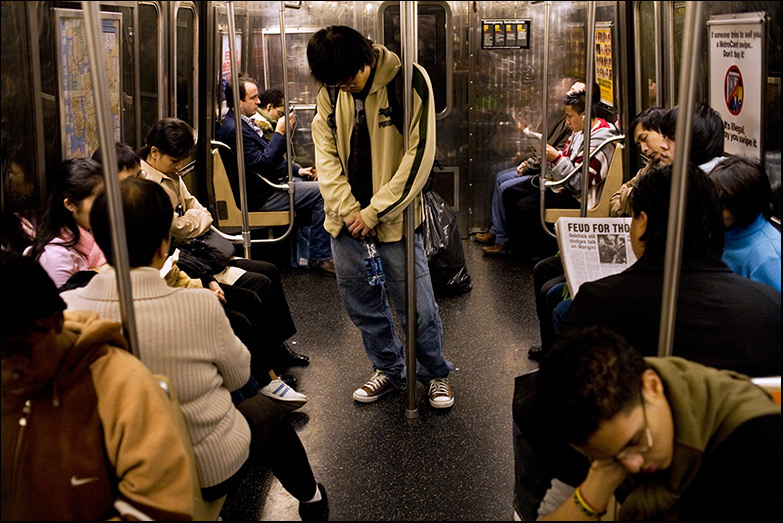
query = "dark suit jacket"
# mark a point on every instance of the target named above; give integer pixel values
(262, 156)
(723, 320)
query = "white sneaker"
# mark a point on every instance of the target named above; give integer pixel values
(440, 393)
(376, 387)
(288, 398)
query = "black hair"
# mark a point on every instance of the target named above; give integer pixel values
(148, 214)
(706, 132)
(243, 79)
(703, 237)
(76, 180)
(127, 157)
(336, 53)
(589, 376)
(650, 119)
(576, 99)
(743, 189)
(172, 136)
(28, 295)
(271, 96)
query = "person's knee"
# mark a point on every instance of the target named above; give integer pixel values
(261, 413)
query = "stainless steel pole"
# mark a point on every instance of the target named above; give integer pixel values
(240, 150)
(589, 80)
(545, 121)
(409, 41)
(119, 244)
(289, 129)
(687, 97)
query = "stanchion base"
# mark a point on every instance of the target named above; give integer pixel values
(412, 414)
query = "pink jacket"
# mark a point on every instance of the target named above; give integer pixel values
(62, 262)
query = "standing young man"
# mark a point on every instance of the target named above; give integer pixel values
(367, 180)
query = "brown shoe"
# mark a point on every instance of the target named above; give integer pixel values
(494, 250)
(485, 237)
(325, 267)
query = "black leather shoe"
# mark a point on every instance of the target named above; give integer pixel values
(316, 511)
(535, 353)
(325, 267)
(294, 359)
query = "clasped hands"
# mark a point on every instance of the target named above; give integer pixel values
(357, 227)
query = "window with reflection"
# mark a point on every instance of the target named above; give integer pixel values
(149, 53)
(433, 40)
(20, 186)
(185, 60)
(647, 49)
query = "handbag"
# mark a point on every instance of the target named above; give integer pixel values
(210, 248)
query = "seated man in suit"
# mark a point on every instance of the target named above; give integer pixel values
(267, 158)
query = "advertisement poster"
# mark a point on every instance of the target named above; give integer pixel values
(737, 80)
(603, 63)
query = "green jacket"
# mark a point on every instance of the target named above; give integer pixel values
(707, 406)
(398, 176)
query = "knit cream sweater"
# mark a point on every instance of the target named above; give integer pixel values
(185, 335)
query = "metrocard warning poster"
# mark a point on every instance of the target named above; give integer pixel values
(737, 80)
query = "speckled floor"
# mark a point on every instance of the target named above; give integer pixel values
(455, 464)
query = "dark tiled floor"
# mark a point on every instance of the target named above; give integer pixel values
(377, 465)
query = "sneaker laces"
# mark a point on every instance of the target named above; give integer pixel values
(376, 382)
(439, 387)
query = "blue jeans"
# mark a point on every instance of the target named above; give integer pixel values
(559, 314)
(369, 309)
(504, 179)
(307, 199)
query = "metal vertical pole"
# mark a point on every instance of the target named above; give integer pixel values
(119, 244)
(589, 80)
(674, 234)
(240, 150)
(409, 41)
(545, 122)
(288, 130)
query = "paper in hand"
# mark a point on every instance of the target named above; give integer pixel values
(531, 134)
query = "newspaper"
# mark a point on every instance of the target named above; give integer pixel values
(531, 134)
(170, 261)
(593, 248)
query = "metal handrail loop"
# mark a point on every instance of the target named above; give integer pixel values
(599, 148)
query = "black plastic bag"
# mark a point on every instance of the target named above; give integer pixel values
(443, 247)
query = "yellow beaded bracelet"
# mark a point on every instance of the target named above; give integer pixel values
(585, 506)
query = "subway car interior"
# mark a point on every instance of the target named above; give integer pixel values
(499, 72)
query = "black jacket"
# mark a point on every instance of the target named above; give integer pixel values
(723, 320)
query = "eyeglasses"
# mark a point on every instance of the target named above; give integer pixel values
(641, 445)
(344, 84)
